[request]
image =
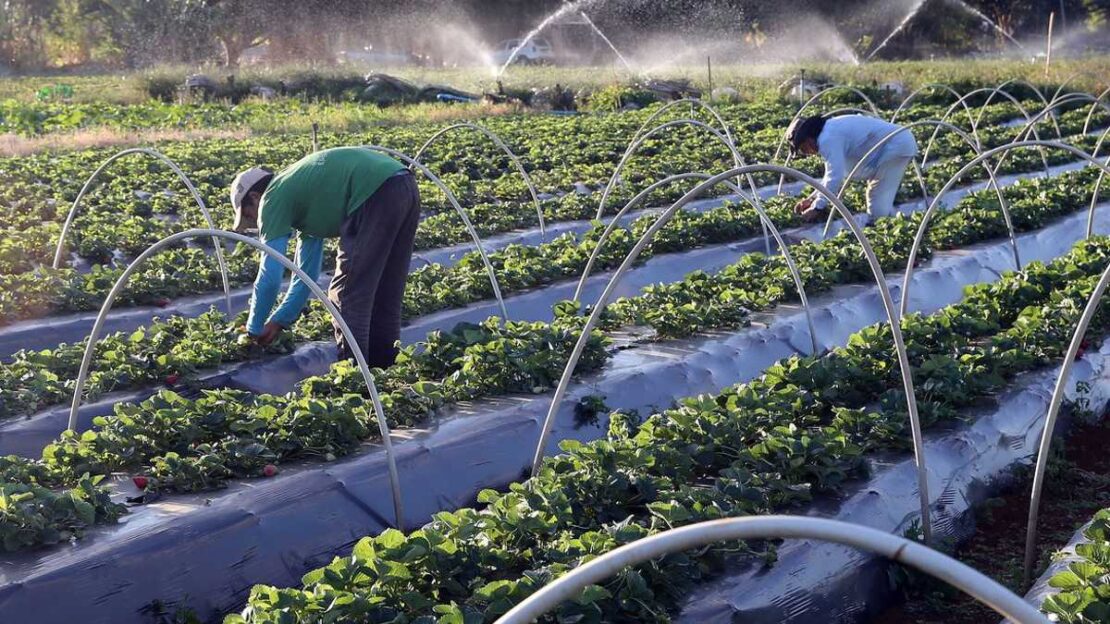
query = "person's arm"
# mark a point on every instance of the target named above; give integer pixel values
(310, 255)
(267, 285)
(835, 171)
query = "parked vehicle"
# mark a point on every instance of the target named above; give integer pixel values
(535, 52)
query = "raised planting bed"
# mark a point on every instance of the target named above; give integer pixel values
(1073, 589)
(813, 581)
(534, 304)
(802, 430)
(36, 283)
(442, 466)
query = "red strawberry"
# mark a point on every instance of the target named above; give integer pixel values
(140, 482)
(162, 302)
(172, 379)
(269, 470)
(1083, 346)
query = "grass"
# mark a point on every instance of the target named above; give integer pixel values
(16, 145)
(128, 88)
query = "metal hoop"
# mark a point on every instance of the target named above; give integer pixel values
(1050, 421)
(990, 173)
(932, 85)
(919, 237)
(975, 125)
(1057, 103)
(188, 185)
(876, 271)
(462, 213)
(1019, 82)
(491, 135)
(1091, 113)
(383, 425)
(1098, 183)
(738, 160)
(893, 547)
(692, 102)
(1071, 78)
(767, 222)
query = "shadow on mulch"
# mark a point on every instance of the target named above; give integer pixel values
(1076, 486)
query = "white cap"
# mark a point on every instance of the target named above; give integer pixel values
(240, 186)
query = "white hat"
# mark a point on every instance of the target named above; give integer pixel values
(240, 186)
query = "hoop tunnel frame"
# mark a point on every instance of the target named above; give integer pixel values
(919, 237)
(897, 549)
(877, 273)
(500, 144)
(975, 126)
(1050, 421)
(106, 307)
(159, 156)
(638, 142)
(764, 219)
(923, 88)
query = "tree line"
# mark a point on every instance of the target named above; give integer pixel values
(41, 34)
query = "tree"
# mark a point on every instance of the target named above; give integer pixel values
(240, 24)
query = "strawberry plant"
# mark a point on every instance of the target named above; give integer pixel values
(761, 446)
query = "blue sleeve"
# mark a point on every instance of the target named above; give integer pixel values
(266, 286)
(310, 255)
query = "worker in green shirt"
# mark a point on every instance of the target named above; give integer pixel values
(368, 201)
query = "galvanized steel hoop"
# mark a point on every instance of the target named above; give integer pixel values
(920, 236)
(877, 274)
(501, 145)
(768, 224)
(408, 160)
(188, 185)
(635, 145)
(702, 534)
(121, 282)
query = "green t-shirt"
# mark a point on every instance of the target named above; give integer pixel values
(314, 194)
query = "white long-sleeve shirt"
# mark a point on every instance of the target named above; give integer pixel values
(846, 139)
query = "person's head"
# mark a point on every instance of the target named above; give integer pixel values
(246, 195)
(802, 134)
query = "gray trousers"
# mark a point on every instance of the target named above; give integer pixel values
(375, 249)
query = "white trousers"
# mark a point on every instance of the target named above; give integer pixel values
(883, 187)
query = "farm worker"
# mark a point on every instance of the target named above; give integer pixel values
(842, 141)
(366, 200)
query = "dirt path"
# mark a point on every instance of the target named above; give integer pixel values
(1077, 485)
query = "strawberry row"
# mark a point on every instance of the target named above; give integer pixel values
(508, 363)
(761, 446)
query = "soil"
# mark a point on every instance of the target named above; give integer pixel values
(1076, 486)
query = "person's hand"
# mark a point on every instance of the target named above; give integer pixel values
(803, 206)
(813, 215)
(270, 332)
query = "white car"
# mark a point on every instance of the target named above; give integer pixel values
(535, 52)
(371, 56)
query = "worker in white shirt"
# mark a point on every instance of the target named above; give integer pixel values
(842, 142)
